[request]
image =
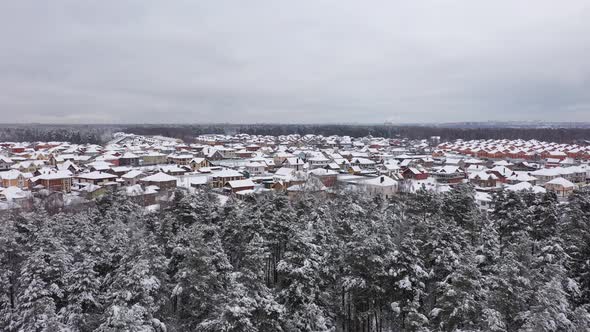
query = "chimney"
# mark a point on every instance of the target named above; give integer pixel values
(382, 179)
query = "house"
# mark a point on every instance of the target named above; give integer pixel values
(227, 153)
(28, 166)
(326, 176)
(363, 163)
(180, 159)
(132, 177)
(483, 179)
(173, 170)
(13, 178)
(253, 147)
(311, 186)
(5, 163)
(96, 178)
(390, 168)
(60, 181)
(255, 168)
(383, 186)
(129, 159)
(69, 166)
(483, 200)
(92, 191)
(575, 174)
(502, 172)
(197, 163)
(220, 178)
(544, 175)
(153, 158)
(449, 174)
(354, 170)
(161, 180)
(119, 170)
(521, 176)
(142, 196)
(280, 157)
(525, 186)
(239, 185)
(244, 154)
(101, 166)
(318, 162)
(560, 186)
(14, 197)
(286, 177)
(415, 174)
(294, 163)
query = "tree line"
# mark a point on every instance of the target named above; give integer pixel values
(447, 133)
(49, 133)
(98, 134)
(419, 262)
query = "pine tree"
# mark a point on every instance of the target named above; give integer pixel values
(83, 295)
(301, 285)
(202, 280)
(575, 232)
(11, 258)
(42, 278)
(510, 217)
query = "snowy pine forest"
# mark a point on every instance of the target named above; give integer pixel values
(420, 262)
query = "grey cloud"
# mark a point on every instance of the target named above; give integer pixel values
(299, 61)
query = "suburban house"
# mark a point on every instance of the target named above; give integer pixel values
(286, 177)
(318, 162)
(96, 178)
(153, 158)
(449, 174)
(5, 163)
(363, 163)
(132, 177)
(129, 159)
(255, 168)
(142, 196)
(58, 181)
(119, 170)
(280, 157)
(197, 163)
(383, 186)
(415, 174)
(294, 163)
(161, 180)
(239, 185)
(173, 169)
(13, 178)
(326, 176)
(28, 166)
(546, 174)
(560, 186)
(221, 178)
(521, 176)
(180, 159)
(483, 179)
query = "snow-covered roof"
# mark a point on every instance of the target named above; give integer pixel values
(96, 175)
(159, 177)
(381, 181)
(240, 183)
(562, 182)
(132, 174)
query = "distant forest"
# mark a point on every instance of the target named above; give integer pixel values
(95, 134)
(425, 262)
(48, 133)
(560, 135)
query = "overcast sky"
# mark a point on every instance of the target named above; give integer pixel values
(298, 61)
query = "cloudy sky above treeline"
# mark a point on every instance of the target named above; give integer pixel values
(316, 61)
